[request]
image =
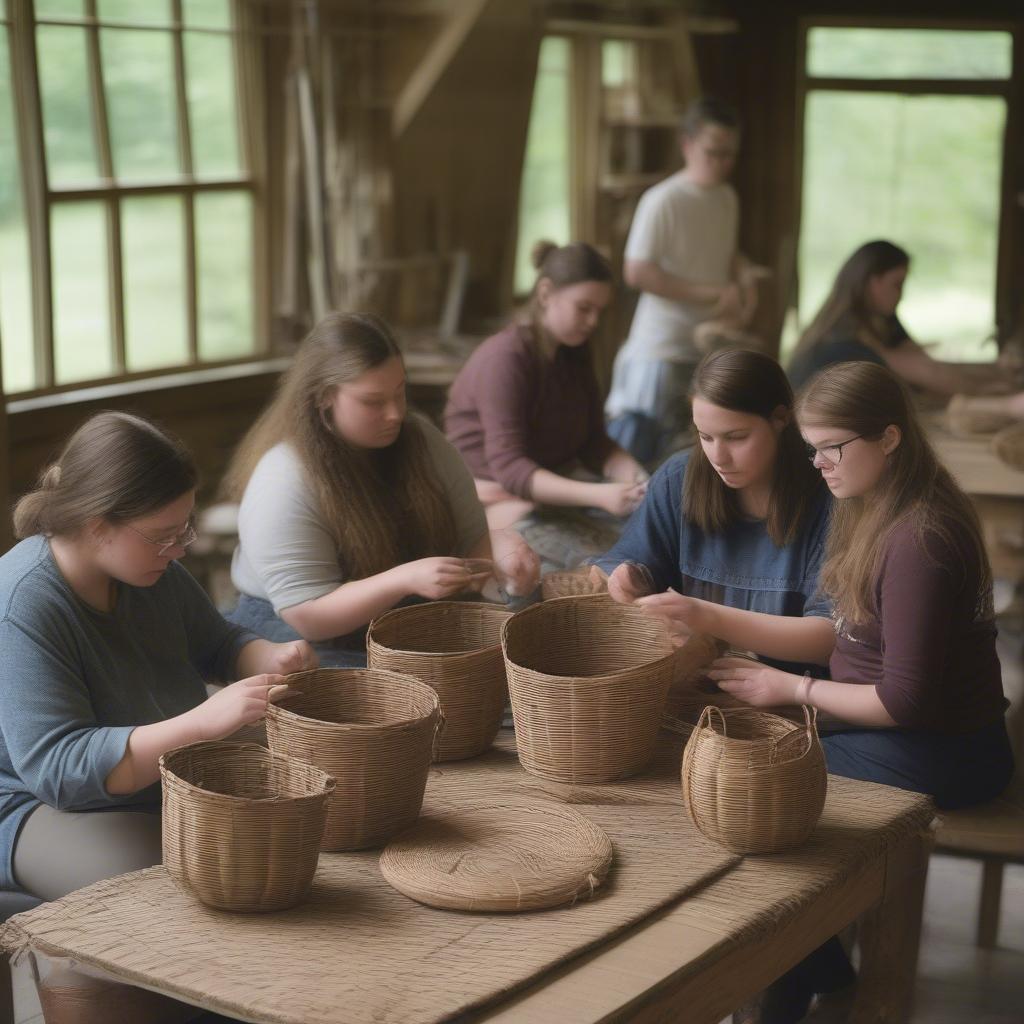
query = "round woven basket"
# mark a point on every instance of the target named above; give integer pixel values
(1008, 444)
(499, 857)
(752, 781)
(569, 583)
(374, 732)
(455, 648)
(588, 679)
(241, 825)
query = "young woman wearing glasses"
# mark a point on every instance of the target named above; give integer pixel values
(107, 644)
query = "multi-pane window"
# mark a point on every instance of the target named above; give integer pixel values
(904, 135)
(126, 190)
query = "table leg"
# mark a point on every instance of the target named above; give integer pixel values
(890, 936)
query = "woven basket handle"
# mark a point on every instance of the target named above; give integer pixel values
(811, 722)
(442, 722)
(705, 718)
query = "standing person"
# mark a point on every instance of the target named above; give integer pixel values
(858, 322)
(107, 644)
(741, 520)
(682, 256)
(350, 504)
(525, 410)
(915, 674)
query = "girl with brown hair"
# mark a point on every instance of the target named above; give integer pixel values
(525, 410)
(349, 503)
(107, 644)
(741, 520)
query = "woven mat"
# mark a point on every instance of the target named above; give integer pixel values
(360, 951)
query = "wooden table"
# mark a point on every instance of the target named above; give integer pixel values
(695, 961)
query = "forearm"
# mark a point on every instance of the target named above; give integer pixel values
(255, 657)
(808, 639)
(347, 608)
(622, 467)
(649, 277)
(551, 489)
(140, 765)
(852, 702)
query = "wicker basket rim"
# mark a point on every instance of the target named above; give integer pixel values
(431, 607)
(169, 776)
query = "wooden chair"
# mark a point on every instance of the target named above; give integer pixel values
(992, 833)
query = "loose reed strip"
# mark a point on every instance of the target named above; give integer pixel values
(587, 678)
(504, 857)
(752, 781)
(570, 583)
(455, 648)
(241, 825)
(373, 731)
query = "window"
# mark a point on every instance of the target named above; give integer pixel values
(903, 139)
(126, 190)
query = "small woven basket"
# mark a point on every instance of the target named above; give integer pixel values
(455, 648)
(752, 781)
(587, 678)
(1008, 444)
(241, 825)
(374, 732)
(570, 583)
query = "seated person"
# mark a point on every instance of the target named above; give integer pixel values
(350, 504)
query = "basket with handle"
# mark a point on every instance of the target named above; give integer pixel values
(242, 825)
(752, 781)
(373, 731)
(455, 648)
(587, 678)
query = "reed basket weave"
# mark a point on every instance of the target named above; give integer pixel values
(587, 678)
(373, 731)
(1008, 444)
(752, 781)
(241, 825)
(569, 583)
(455, 648)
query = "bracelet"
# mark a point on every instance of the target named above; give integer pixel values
(803, 689)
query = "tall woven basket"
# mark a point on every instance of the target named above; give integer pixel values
(588, 679)
(752, 781)
(241, 825)
(374, 732)
(455, 648)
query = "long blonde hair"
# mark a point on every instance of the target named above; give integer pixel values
(382, 506)
(915, 487)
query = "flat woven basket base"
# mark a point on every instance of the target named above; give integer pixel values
(503, 857)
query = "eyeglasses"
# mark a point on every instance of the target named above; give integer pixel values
(179, 540)
(832, 454)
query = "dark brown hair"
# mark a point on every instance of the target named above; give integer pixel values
(116, 467)
(383, 506)
(750, 382)
(865, 398)
(708, 110)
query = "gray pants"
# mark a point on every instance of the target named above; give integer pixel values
(60, 851)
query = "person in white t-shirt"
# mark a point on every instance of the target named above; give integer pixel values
(682, 255)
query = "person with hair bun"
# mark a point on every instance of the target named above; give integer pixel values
(525, 411)
(107, 645)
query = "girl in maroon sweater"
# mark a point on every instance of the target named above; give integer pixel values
(525, 410)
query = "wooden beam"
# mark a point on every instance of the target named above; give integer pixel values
(428, 72)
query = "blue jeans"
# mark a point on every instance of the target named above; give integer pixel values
(258, 615)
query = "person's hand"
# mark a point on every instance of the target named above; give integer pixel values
(754, 683)
(752, 273)
(516, 564)
(440, 577)
(684, 616)
(620, 499)
(293, 656)
(241, 703)
(729, 302)
(630, 581)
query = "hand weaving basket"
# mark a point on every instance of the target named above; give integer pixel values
(374, 732)
(242, 825)
(587, 678)
(570, 583)
(455, 648)
(752, 781)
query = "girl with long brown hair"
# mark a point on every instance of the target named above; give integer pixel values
(741, 520)
(349, 503)
(525, 410)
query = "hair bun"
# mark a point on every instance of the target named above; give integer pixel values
(541, 251)
(50, 480)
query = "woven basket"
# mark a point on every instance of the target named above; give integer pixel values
(570, 583)
(241, 825)
(455, 648)
(752, 781)
(588, 679)
(374, 732)
(1008, 444)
